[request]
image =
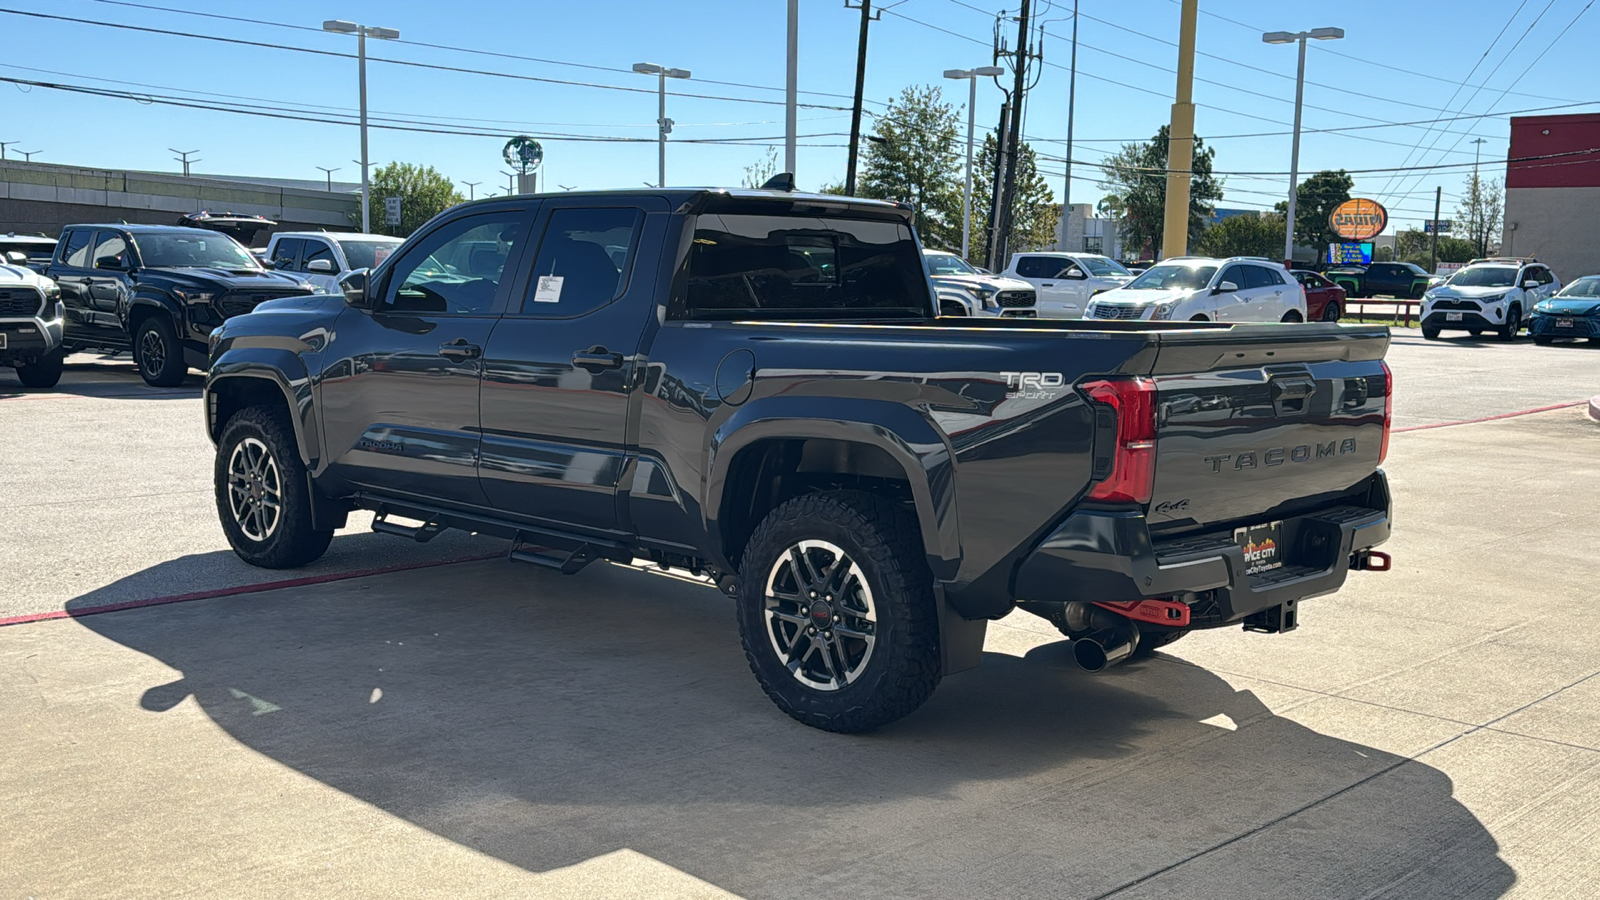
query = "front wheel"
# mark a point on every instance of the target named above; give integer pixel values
(951, 310)
(1513, 324)
(1430, 334)
(44, 372)
(1542, 340)
(836, 611)
(263, 494)
(156, 350)
(1330, 313)
(1199, 318)
(1292, 315)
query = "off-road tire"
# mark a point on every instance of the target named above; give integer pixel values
(292, 542)
(884, 541)
(1513, 324)
(166, 369)
(43, 372)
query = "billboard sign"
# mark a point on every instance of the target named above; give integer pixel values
(1358, 219)
(1351, 254)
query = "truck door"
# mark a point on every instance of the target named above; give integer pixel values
(560, 368)
(110, 284)
(71, 271)
(1234, 305)
(399, 386)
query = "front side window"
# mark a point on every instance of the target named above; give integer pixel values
(1102, 267)
(583, 261)
(457, 268)
(1236, 275)
(75, 252)
(193, 250)
(112, 248)
(315, 250)
(284, 253)
(797, 267)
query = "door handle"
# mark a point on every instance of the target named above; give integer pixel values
(596, 358)
(460, 349)
(1047, 284)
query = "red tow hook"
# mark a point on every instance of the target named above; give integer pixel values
(1371, 561)
(1156, 612)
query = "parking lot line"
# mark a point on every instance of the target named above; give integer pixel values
(1509, 415)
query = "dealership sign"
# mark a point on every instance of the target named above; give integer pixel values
(1358, 220)
(1350, 254)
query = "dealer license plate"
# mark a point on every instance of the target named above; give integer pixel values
(1452, 317)
(1563, 323)
(1262, 546)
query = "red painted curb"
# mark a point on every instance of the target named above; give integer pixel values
(1509, 415)
(235, 591)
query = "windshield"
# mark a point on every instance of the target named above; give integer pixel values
(1583, 287)
(1172, 278)
(1102, 267)
(1484, 276)
(367, 254)
(193, 251)
(946, 264)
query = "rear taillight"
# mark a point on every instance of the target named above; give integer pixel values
(1388, 411)
(1133, 457)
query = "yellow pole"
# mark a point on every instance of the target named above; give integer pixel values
(1180, 141)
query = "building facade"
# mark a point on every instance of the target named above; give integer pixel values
(1553, 193)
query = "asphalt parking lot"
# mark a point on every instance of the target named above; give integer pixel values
(431, 720)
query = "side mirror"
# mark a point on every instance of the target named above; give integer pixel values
(354, 285)
(320, 266)
(1226, 287)
(1074, 272)
(16, 257)
(113, 263)
(1531, 283)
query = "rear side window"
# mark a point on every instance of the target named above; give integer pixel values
(583, 261)
(798, 267)
(1257, 277)
(1042, 266)
(75, 252)
(284, 252)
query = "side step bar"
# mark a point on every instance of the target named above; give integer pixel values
(422, 534)
(565, 563)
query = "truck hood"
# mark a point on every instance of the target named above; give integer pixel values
(21, 276)
(987, 282)
(233, 279)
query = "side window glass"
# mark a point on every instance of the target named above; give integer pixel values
(1545, 276)
(1036, 267)
(110, 245)
(586, 253)
(1234, 274)
(315, 250)
(76, 251)
(457, 269)
(284, 252)
(1256, 277)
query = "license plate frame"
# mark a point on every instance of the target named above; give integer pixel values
(1564, 323)
(1262, 546)
(1452, 317)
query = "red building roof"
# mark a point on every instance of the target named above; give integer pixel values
(1577, 135)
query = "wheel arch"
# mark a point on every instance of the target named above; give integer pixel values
(147, 302)
(235, 384)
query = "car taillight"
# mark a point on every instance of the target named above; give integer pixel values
(1388, 411)
(1132, 461)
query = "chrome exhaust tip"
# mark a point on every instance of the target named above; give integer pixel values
(1100, 650)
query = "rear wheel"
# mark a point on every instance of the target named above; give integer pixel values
(43, 372)
(156, 350)
(1513, 324)
(836, 611)
(263, 494)
(1330, 313)
(1292, 315)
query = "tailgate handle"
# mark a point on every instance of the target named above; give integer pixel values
(1289, 394)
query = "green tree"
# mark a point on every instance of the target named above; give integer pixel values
(1481, 214)
(1416, 247)
(423, 193)
(1314, 202)
(1137, 176)
(913, 157)
(1037, 215)
(1244, 235)
(757, 173)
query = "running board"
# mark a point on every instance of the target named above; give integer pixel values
(422, 534)
(567, 564)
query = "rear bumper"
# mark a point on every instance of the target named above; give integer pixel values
(1110, 556)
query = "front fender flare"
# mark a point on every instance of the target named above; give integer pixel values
(147, 298)
(283, 369)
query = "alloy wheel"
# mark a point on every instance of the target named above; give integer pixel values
(152, 352)
(255, 490)
(819, 615)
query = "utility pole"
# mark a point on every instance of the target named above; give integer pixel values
(1008, 193)
(1433, 254)
(1002, 134)
(1072, 96)
(329, 172)
(1480, 230)
(472, 189)
(861, 83)
(183, 157)
(791, 89)
(1180, 141)
(3, 146)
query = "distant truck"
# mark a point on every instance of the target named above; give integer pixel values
(30, 325)
(1401, 280)
(323, 257)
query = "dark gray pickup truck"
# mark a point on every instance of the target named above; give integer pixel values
(754, 386)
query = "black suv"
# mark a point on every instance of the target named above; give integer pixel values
(158, 291)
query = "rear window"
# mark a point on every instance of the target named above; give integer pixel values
(800, 267)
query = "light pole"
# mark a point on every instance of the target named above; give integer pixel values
(511, 182)
(972, 76)
(662, 73)
(362, 32)
(183, 157)
(1286, 37)
(472, 189)
(329, 172)
(4, 145)
(27, 155)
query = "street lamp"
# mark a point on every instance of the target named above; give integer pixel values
(472, 189)
(362, 32)
(972, 76)
(662, 73)
(1285, 37)
(329, 172)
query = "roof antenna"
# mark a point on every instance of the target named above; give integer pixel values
(783, 181)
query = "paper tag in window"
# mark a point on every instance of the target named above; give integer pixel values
(548, 289)
(379, 254)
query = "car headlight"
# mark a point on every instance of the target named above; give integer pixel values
(193, 297)
(1164, 310)
(1495, 299)
(984, 296)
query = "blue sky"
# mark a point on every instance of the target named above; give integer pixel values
(1125, 83)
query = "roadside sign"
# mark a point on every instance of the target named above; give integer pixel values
(1358, 219)
(1440, 225)
(523, 153)
(1351, 254)
(391, 210)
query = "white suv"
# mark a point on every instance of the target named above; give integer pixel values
(1494, 294)
(1066, 281)
(1241, 289)
(323, 257)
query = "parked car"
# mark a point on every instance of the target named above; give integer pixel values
(322, 257)
(30, 325)
(158, 291)
(964, 291)
(1066, 281)
(1401, 280)
(1572, 312)
(1200, 289)
(758, 389)
(1324, 299)
(34, 248)
(1488, 295)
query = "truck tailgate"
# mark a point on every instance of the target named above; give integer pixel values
(1259, 421)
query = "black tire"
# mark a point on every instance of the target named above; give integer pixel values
(1199, 318)
(1331, 312)
(951, 310)
(1291, 316)
(884, 679)
(1475, 331)
(44, 372)
(287, 540)
(1542, 340)
(157, 352)
(1513, 324)
(1430, 334)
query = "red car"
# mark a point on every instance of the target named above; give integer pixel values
(1324, 299)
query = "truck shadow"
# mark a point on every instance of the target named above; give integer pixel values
(547, 720)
